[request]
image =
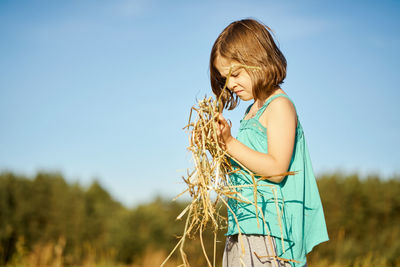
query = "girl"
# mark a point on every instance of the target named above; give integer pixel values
(270, 141)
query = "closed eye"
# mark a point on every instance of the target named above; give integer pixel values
(234, 74)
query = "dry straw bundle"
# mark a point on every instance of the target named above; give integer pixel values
(208, 183)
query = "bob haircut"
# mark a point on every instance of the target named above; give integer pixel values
(250, 43)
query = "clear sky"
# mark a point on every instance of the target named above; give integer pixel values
(101, 89)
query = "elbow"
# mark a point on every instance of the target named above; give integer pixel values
(280, 172)
(277, 176)
(277, 179)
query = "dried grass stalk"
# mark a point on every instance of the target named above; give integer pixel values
(208, 183)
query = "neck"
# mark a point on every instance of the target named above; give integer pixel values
(260, 102)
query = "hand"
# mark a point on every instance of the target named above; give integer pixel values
(224, 129)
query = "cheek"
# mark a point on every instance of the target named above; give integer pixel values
(248, 84)
(242, 82)
(246, 81)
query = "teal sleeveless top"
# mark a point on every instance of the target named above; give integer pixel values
(292, 209)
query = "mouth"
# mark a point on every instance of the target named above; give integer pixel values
(239, 91)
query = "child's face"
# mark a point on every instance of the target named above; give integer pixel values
(239, 82)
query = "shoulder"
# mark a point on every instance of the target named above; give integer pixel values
(280, 108)
(281, 104)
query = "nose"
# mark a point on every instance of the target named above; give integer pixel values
(231, 83)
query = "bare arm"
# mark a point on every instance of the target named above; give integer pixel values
(281, 131)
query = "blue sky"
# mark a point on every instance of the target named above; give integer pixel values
(102, 89)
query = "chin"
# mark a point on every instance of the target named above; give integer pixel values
(246, 98)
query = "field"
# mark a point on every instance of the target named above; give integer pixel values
(48, 222)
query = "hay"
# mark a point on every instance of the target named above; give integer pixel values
(208, 183)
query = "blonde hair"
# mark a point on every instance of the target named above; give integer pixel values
(250, 43)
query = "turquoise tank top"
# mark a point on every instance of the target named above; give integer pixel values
(292, 208)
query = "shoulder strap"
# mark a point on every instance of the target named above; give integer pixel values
(248, 109)
(261, 110)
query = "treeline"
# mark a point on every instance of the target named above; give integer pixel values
(363, 220)
(46, 221)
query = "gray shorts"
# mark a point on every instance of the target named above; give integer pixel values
(261, 245)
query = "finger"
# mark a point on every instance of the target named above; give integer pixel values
(222, 119)
(219, 118)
